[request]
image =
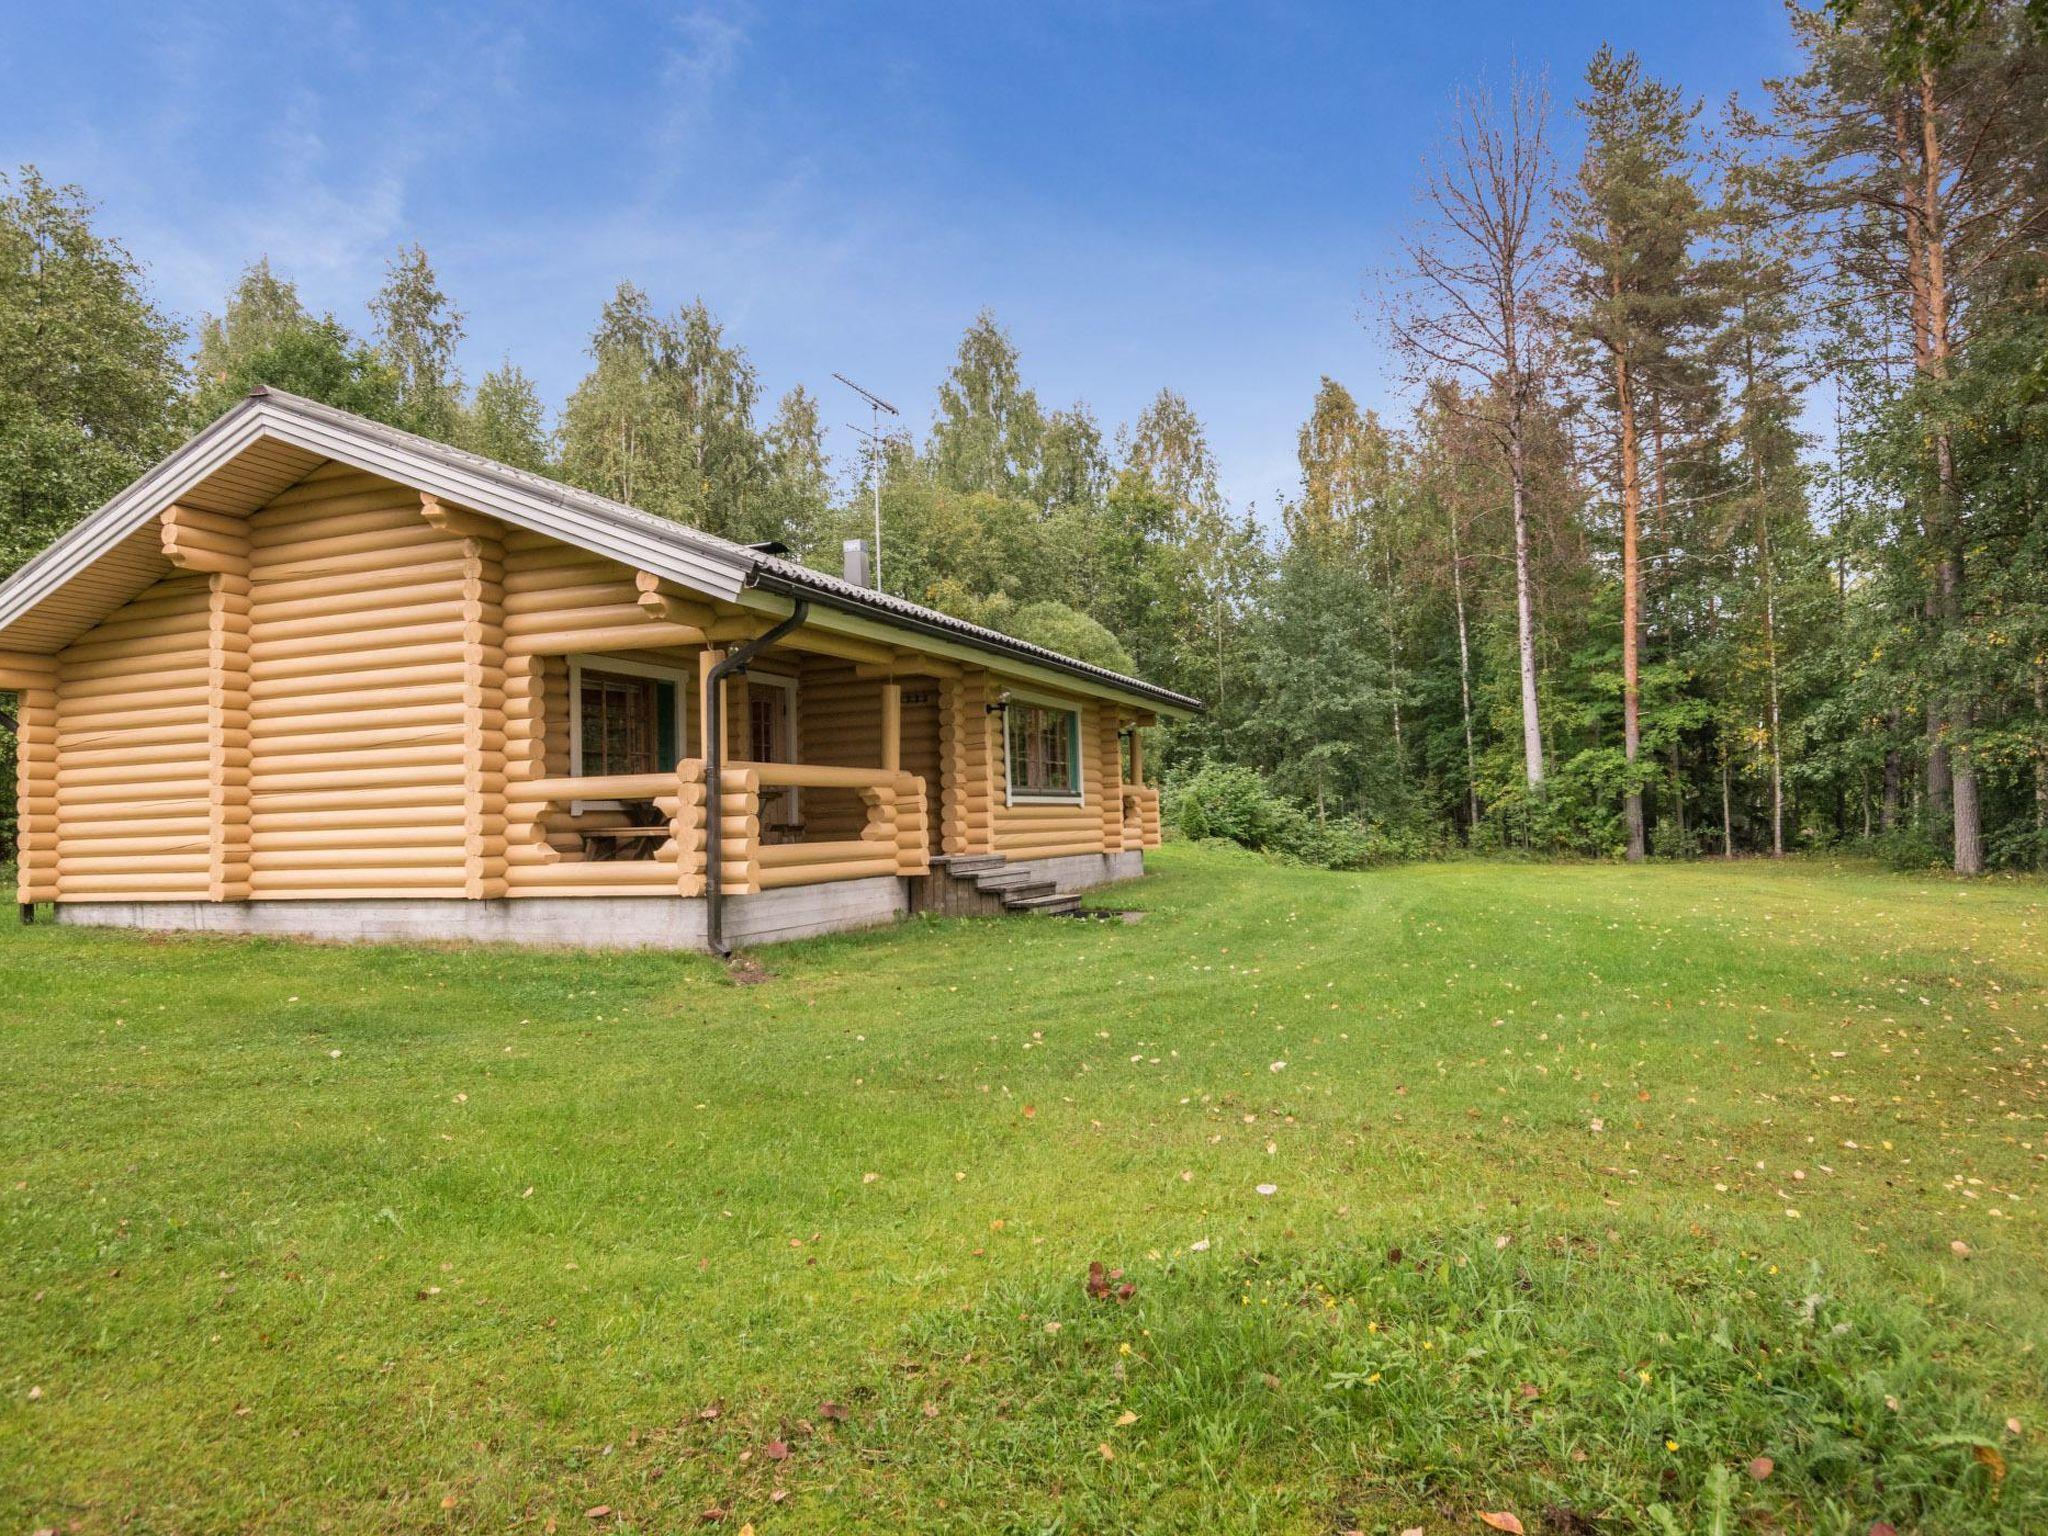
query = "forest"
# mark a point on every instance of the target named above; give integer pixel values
(1711, 523)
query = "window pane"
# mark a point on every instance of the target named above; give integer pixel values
(1041, 749)
(621, 723)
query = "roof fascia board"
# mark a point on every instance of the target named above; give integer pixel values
(700, 571)
(131, 510)
(260, 417)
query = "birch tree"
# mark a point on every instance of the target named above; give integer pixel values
(1478, 267)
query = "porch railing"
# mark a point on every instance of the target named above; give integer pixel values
(534, 865)
(893, 840)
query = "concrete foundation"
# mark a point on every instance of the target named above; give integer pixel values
(1080, 871)
(591, 922)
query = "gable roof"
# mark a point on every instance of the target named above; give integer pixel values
(270, 439)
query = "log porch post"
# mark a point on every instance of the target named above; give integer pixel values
(892, 725)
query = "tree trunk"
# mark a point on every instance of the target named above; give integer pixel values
(1631, 600)
(1678, 792)
(1727, 810)
(1947, 534)
(1465, 684)
(1760, 485)
(1525, 611)
(1771, 661)
(1394, 676)
(2041, 766)
(1888, 815)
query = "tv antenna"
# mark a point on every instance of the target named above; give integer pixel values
(876, 405)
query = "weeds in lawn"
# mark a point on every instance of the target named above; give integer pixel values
(1615, 1381)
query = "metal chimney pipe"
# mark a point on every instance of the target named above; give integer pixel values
(853, 556)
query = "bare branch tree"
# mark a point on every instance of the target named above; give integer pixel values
(1469, 306)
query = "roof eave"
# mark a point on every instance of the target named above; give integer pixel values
(1162, 701)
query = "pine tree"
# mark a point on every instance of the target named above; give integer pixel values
(1926, 184)
(1635, 304)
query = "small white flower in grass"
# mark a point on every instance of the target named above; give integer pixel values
(335, 1054)
(1269, 1189)
(1278, 1066)
(869, 1178)
(1199, 1245)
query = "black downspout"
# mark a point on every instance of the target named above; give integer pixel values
(736, 661)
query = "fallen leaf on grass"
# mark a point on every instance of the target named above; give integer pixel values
(777, 1450)
(831, 1410)
(1989, 1458)
(1106, 1451)
(1762, 1468)
(1126, 1417)
(1881, 1528)
(1501, 1520)
(598, 1512)
(2012, 1426)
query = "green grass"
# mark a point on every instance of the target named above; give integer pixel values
(302, 1238)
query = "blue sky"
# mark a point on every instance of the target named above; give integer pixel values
(1146, 194)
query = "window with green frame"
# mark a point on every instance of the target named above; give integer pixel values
(1044, 755)
(629, 723)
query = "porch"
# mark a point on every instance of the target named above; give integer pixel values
(835, 769)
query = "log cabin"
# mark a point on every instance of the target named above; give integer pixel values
(314, 675)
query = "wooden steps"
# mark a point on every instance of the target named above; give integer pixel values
(988, 884)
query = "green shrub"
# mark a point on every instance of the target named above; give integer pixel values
(1232, 803)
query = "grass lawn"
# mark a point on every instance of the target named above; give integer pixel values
(1568, 1192)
